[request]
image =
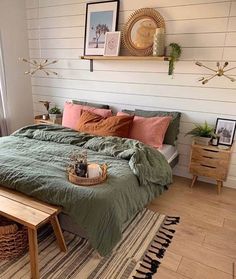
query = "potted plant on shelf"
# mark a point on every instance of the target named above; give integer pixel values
(175, 54)
(202, 134)
(55, 113)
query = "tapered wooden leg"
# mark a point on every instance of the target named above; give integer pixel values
(59, 235)
(33, 251)
(219, 186)
(194, 180)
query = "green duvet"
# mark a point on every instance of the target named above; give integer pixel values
(33, 161)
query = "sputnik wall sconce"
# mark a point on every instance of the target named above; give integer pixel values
(40, 64)
(220, 70)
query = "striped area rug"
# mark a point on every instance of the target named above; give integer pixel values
(141, 248)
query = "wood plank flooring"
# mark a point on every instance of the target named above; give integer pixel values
(204, 245)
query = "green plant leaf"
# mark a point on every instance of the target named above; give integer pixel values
(174, 56)
(204, 130)
(54, 110)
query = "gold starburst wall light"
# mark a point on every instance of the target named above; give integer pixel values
(221, 67)
(40, 64)
(220, 71)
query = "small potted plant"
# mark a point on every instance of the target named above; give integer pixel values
(54, 113)
(175, 54)
(202, 133)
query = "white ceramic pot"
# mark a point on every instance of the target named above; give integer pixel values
(202, 140)
(55, 116)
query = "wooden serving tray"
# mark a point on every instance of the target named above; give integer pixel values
(84, 181)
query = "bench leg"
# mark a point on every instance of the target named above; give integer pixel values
(58, 232)
(33, 251)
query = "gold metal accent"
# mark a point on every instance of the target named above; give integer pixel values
(39, 66)
(220, 71)
(42, 63)
(46, 104)
(149, 16)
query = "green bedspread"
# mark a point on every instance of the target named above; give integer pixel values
(33, 161)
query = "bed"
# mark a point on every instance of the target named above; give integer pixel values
(33, 161)
(171, 154)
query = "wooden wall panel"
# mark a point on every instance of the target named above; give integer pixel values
(199, 26)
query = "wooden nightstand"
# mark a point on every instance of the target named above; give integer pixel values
(38, 119)
(209, 161)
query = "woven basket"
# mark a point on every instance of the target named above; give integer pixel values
(13, 239)
(84, 181)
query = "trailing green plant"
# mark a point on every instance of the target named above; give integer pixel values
(204, 131)
(55, 110)
(175, 54)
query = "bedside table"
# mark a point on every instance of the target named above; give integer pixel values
(209, 161)
(38, 119)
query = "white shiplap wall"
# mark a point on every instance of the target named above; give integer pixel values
(200, 26)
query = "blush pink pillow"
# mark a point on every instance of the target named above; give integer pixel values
(150, 130)
(71, 115)
(102, 112)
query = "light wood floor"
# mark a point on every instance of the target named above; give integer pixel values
(204, 245)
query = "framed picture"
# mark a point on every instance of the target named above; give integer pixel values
(101, 17)
(112, 43)
(225, 129)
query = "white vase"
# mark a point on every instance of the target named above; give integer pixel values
(55, 116)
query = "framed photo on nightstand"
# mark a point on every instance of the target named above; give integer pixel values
(225, 129)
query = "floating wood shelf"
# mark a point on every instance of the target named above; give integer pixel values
(149, 58)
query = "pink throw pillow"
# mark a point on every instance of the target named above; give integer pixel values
(71, 115)
(102, 112)
(150, 130)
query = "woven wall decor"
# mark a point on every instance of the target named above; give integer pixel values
(138, 32)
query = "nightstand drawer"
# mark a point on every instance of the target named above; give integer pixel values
(207, 152)
(201, 169)
(208, 160)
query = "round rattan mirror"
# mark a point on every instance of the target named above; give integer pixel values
(139, 30)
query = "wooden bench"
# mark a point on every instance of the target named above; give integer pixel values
(32, 214)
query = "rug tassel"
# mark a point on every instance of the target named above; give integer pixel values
(166, 239)
(169, 230)
(152, 262)
(167, 235)
(169, 224)
(172, 217)
(151, 268)
(174, 221)
(161, 250)
(148, 262)
(148, 275)
(164, 244)
(159, 255)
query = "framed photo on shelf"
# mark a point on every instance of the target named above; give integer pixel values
(101, 17)
(225, 129)
(112, 43)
